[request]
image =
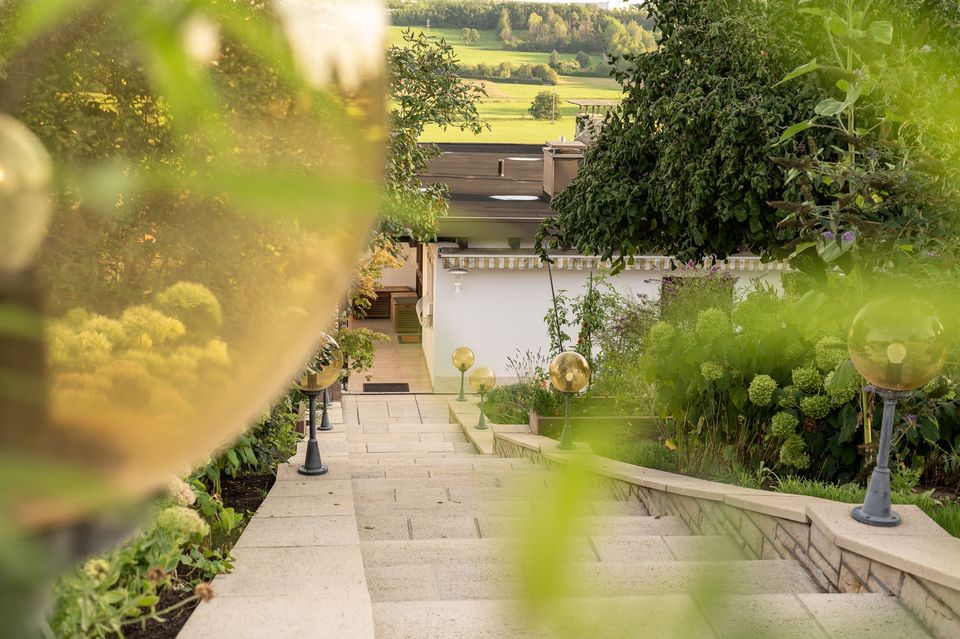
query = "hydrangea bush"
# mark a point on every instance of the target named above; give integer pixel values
(766, 384)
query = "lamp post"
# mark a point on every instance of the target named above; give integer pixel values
(898, 345)
(463, 359)
(569, 374)
(314, 382)
(483, 380)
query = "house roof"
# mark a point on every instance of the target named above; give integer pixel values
(484, 205)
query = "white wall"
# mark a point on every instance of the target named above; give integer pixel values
(500, 311)
(404, 276)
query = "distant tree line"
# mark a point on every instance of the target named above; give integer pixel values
(567, 28)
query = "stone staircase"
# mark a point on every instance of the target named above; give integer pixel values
(413, 534)
(453, 544)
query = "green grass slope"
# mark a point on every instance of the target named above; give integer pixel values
(505, 108)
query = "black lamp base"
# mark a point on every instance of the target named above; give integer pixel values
(322, 470)
(883, 521)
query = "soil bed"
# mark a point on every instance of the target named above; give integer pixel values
(243, 495)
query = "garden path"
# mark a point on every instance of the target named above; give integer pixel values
(413, 534)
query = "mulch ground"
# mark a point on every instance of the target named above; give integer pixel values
(244, 494)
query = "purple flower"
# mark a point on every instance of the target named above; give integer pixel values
(829, 236)
(848, 236)
(870, 388)
(911, 419)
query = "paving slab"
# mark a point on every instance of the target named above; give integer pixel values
(299, 531)
(280, 617)
(863, 616)
(329, 573)
(306, 506)
(766, 616)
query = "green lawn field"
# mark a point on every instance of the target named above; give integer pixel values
(505, 108)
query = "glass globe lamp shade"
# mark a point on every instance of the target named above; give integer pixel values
(483, 380)
(463, 358)
(166, 340)
(323, 376)
(569, 372)
(897, 344)
(25, 198)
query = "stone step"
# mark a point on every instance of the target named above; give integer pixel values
(376, 438)
(776, 616)
(636, 549)
(407, 447)
(507, 579)
(446, 525)
(431, 490)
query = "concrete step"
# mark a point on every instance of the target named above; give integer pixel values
(411, 436)
(508, 579)
(778, 616)
(635, 549)
(407, 447)
(450, 525)
(431, 490)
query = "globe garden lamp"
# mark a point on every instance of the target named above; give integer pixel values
(569, 374)
(463, 359)
(897, 345)
(483, 381)
(314, 382)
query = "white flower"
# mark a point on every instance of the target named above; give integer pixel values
(181, 491)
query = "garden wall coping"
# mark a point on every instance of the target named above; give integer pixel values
(917, 561)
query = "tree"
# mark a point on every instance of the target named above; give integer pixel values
(584, 60)
(545, 106)
(504, 29)
(554, 61)
(545, 73)
(534, 24)
(470, 35)
(684, 165)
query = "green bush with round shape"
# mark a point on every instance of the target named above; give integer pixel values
(830, 352)
(711, 371)
(816, 406)
(712, 324)
(806, 379)
(793, 453)
(783, 425)
(844, 394)
(660, 338)
(761, 390)
(194, 305)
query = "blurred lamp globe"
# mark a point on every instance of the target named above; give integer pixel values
(569, 372)
(897, 343)
(25, 199)
(324, 373)
(483, 380)
(463, 358)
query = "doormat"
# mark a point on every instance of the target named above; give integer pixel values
(386, 388)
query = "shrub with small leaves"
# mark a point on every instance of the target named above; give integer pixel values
(794, 452)
(661, 337)
(830, 352)
(182, 521)
(194, 305)
(711, 371)
(712, 323)
(816, 406)
(140, 321)
(761, 390)
(842, 395)
(783, 425)
(806, 379)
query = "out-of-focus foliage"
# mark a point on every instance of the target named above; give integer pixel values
(885, 193)
(184, 544)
